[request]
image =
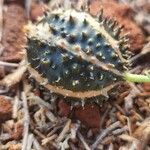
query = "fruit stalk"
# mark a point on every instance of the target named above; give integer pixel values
(137, 78)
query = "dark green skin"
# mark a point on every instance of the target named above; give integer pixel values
(69, 67)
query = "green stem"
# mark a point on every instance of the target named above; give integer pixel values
(136, 78)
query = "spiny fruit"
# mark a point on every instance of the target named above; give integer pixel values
(77, 55)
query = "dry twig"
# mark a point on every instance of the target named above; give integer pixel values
(83, 141)
(104, 134)
(2, 63)
(64, 131)
(1, 19)
(26, 122)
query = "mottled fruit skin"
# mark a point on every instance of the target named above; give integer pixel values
(77, 52)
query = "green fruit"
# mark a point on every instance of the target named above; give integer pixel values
(79, 55)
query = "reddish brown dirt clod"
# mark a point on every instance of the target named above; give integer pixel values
(89, 115)
(5, 109)
(122, 14)
(2, 72)
(37, 92)
(17, 132)
(64, 108)
(146, 87)
(37, 10)
(13, 37)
